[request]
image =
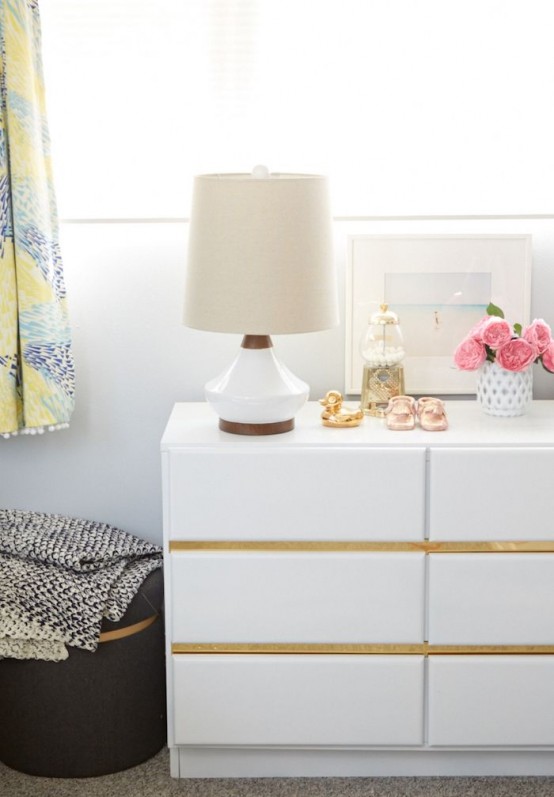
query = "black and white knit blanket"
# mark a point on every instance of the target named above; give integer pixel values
(59, 577)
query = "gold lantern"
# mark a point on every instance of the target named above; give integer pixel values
(382, 348)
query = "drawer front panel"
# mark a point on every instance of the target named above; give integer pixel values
(491, 700)
(298, 700)
(297, 597)
(318, 493)
(491, 599)
(491, 494)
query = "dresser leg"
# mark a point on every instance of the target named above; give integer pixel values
(174, 768)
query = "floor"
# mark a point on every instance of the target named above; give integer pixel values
(151, 779)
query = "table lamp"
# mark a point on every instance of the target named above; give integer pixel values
(260, 262)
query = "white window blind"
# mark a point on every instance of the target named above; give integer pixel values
(426, 107)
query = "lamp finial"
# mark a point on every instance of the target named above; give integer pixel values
(260, 172)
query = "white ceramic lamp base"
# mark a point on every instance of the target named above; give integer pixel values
(257, 394)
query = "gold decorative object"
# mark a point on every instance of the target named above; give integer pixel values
(382, 348)
(334, 415)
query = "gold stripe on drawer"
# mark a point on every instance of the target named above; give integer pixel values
(491, 546)
(476, 650)
(424, 546)
(248, 647)
(421, 649)
(291, 545)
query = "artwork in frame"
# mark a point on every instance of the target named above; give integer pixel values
(439, 285)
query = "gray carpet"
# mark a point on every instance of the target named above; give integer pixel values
(152, 780)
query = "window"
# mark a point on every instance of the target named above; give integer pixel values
(424, 107)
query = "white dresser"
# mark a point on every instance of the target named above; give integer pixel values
(360, 601)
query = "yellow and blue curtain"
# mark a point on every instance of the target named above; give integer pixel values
(36, 364)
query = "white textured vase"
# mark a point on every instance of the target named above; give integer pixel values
(504, 393)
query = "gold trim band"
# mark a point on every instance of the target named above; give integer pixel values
(421, 649)
(423, 546)
(524, 650)
(129, 630)
(285, 647)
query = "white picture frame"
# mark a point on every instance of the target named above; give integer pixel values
(439, 285)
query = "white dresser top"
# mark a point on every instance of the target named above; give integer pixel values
(196, 425)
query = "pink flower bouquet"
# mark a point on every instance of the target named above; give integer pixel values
(513, 348)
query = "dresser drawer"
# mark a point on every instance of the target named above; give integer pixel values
(491, 599)
(297, 597)
(491, 700)
(309, 493)
(298, 700)
(491, 494)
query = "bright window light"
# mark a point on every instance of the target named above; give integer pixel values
(432, 107)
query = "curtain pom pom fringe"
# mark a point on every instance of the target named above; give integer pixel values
(36, 430)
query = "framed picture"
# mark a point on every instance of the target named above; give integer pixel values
(440, 286)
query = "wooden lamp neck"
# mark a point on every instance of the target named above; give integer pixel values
(256, 342)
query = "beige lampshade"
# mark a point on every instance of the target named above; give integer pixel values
(260, 255)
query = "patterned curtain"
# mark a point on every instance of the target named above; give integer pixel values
(36, 365)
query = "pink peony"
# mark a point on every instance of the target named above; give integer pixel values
(470, 354)
(538, 334)
(496, 332)
(476, 331)
(548, 357)
(516, 355)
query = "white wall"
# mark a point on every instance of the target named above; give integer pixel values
(134, 359)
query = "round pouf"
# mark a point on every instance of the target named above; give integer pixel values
(504, 393)
(94, 713)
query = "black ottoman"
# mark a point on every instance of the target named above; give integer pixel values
(94, 713)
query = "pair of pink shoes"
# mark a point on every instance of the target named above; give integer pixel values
(402, 411)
